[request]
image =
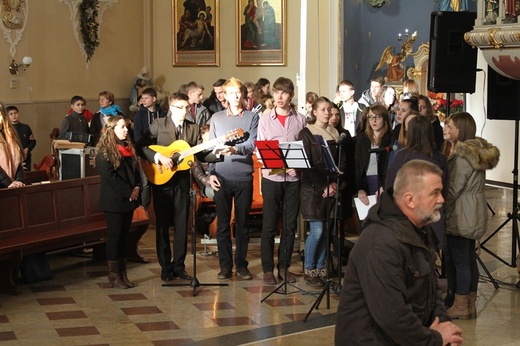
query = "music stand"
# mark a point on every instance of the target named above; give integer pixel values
(330, 166)
(273, 157)
(194, 283)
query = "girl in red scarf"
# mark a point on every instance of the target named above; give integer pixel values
(116, 163)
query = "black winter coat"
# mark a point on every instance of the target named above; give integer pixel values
(117, 184)
(314, 180)
(390, 294)
(362, 157)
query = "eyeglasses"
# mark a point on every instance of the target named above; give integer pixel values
(374, 117)
(179, 107)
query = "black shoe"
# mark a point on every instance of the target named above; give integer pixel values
(166, 276)
(183, 275)
(225, 273)
(244, 273)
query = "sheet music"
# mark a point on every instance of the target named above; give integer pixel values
(327, 155)
(295, 154)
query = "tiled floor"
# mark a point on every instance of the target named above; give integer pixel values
(76, 307)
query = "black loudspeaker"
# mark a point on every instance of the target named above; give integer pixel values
(503, 97)
(452, 63)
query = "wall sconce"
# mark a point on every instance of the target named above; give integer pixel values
(26, 62)
(400, 37)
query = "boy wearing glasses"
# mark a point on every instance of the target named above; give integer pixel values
(171, 199)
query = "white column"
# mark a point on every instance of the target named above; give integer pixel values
(301, 76)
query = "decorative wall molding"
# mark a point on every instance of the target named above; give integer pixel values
(14, 15)
(75, 19)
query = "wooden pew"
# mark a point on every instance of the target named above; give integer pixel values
(47, 217)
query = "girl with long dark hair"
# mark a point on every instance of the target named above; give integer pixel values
(116, 162)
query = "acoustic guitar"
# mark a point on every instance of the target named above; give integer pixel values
(182, 154)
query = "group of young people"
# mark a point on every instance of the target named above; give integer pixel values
(423, 174)
(376, 136)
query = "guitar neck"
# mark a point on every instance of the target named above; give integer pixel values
(201, 147)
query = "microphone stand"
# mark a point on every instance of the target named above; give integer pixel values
(338, 209)
(329, 284)
(194, 283)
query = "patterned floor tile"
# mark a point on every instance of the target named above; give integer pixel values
(233, 321)
(142, 310)
(77, 331)
(154, 326)
(7, 336)
(65, 315)
(127, 297)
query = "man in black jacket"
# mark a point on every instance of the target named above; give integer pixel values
(390, 294)
(215, 102)
(171, 199)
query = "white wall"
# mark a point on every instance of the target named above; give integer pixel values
(499, 132)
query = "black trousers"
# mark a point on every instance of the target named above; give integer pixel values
(242, 193)
(171, 206)
(277, 195)
(118, 225)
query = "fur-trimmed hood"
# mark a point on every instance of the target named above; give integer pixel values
(481, 154)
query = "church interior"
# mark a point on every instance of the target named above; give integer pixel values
(47, 58)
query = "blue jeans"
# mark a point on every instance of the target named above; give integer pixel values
(462, 253)
(315, 246)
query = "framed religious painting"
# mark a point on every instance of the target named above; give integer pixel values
(195, 32)
(261, 30)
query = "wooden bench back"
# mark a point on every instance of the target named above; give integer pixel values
(47, 207)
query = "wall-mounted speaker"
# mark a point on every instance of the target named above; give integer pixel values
(503, 97)
(452, 63)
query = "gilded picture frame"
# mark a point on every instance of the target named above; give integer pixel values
(261, 30)
(195, 32)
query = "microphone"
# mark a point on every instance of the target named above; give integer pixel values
(384, 149)
(342, 137)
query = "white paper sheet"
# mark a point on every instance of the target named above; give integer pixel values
(362, 209)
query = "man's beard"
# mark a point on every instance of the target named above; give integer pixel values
(433, 217)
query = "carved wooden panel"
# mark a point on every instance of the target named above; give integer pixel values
(10, 213)
(40, 208)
